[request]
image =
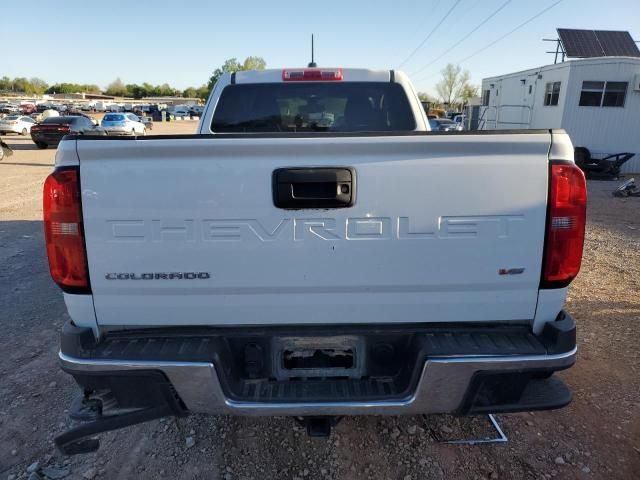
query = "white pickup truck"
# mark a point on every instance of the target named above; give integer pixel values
(314, 251)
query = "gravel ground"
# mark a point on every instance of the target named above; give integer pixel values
(597, 436)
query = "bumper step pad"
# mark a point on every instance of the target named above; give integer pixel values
(538, 394)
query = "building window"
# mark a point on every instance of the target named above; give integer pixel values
(552, 93)
(485, 98)
(603, 94)
(530, 89)
(591, 95)
(614, 93)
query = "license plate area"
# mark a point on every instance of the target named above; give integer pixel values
(306, 359)
(318, 357)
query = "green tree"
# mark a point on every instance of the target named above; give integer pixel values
(116, 88)
(166, 90)
(136, 91)
(148, 89)
(189, 92)
(72, 88)
(53, 88)
(254, 63)
(21, 84)
(5, 84)
(64, 88)
(203, 92)
(232, 65)
(38, 85)
(453, 83)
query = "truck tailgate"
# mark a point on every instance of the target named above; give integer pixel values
(184, 231)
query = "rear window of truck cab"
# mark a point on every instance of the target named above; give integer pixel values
(313, 107)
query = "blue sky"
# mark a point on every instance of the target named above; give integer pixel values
(182, 42)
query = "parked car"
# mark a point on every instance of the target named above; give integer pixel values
(9, 108)
(123, 124)
(180, 113)
(196, 110)
(444, 125)
(344, 268)
(16, 124)
(28, 108)
(51, 130)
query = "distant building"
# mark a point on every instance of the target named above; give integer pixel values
(171, 100)
(596, 100)
(80, 96)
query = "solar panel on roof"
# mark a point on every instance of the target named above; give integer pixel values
(617, 44)
(580, 43)
(597, 43)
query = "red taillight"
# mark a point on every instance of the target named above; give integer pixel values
(311, 74)
(565, 225)
(63, 231)
(64, 129)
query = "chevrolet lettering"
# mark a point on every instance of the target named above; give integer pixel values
(323, 228)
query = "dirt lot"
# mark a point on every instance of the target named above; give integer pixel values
(597, 436)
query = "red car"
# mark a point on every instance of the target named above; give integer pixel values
(28, 108)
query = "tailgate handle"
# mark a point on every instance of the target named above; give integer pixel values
(295, 188)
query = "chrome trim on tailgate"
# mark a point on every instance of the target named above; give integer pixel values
(441, 388)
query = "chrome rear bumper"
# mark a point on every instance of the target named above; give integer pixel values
(441, 387)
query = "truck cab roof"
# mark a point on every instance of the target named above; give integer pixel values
(277, 75)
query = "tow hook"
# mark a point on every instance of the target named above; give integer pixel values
(89, 409)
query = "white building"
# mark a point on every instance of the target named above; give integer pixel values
(596, 100)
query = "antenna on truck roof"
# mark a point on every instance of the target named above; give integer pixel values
(312, 64)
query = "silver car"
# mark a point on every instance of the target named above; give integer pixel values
(16, 124)
(123, 124)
